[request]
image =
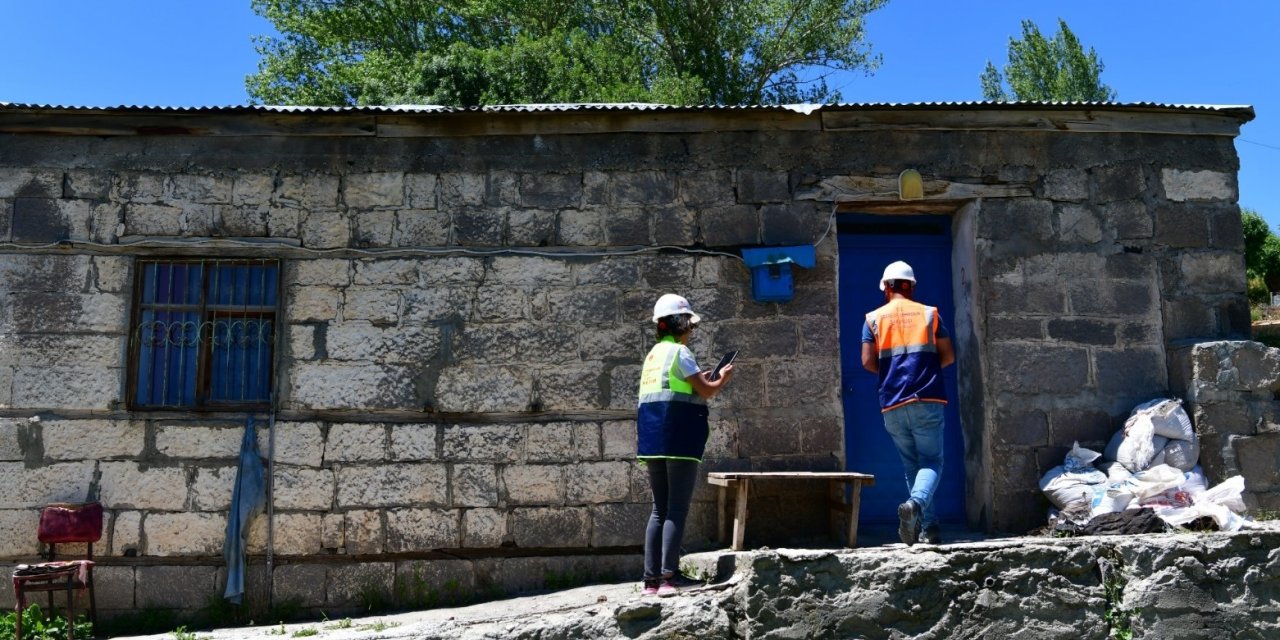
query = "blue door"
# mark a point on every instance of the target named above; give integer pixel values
(867, 244)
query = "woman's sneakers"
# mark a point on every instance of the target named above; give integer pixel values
(909, 522)
(651, 587)
(669, 585)
(667, 589)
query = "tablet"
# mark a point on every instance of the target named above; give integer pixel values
(724, 362)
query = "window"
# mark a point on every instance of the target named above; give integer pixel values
(204, 333)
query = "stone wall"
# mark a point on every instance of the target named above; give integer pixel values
(1231, 393)
(464, 315)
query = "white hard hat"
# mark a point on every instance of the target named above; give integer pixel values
(897, 271)
(671, 304)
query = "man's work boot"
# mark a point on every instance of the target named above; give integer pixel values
(909, 521)
(932, 535)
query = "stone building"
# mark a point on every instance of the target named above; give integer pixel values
(442, 312)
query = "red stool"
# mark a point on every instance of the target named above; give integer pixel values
(61, 524)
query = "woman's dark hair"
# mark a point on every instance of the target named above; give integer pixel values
(676, 325)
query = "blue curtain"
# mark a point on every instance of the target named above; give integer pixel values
(247, 499)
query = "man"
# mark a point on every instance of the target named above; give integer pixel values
(906, 346)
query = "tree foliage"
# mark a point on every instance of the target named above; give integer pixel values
(1044, 70)
(1261, 255)
(471, 52)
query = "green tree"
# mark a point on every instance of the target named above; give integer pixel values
(1261, 256)
(1056, 70)
(471, 52)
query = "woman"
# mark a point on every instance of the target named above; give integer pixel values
(671, 434)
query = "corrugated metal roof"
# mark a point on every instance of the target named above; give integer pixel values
(1240, 111)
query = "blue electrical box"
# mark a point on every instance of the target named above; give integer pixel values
(771, 278)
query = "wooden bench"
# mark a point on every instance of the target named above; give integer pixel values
(740, 482)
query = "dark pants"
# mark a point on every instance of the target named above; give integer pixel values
(672, 484)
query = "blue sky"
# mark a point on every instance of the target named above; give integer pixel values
(197, 53)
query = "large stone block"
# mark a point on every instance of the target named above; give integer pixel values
(414, 442)
(461, 190)
(325, 229)
(313, 303)
(1022, 427)
(792, 223)
(763, 437)
(297, 443)
(128, 485)
(619, 524)
(420, 190)
(1079, 224)
(373, 228)
(421, 228)
(175, 587)
(1131, 219)
(1124, 182)
(307, 191)
(580, 228)
(534, 484)
(69, 312)
(202, 189)
(33, 488)
(92, 439)
(1016, 222)
(549, 442)
(619, 439)
(541, 527)
(1133, 374)
(364, 532)
(755, 186)
(1036, 368)
(445, 307)
(303, 489)
(359, 587)
(1110, 299)
(358, 386)
(126, 533)
(422, 530)
(1213, 271)
(500, 304)
(642, 187)
(550, 190)
(355, 442)
(18, 532)
(801, 382)
(531, 228)
(474, 485)
(150, 220)
(760, 338)
(1183, 186)
(87, 184)
(194, 441)
(483, 388)
(23, 182)
(373, 190)
(1066, 185)
(1182, 225)
(1081, 331)
(392, 485)
(13, 433)
(597, 482)
(185, 534)
(213, 488)
(529, 271)
(253, 189)
(1087, 426)
(295, 534)
(113, 587)
(327, 272)
(141, 187)
(484, 528)
(705, 187)
(300, 583)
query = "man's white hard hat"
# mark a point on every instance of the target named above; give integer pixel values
(671, 304)
(897, 271)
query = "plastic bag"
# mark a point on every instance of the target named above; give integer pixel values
(1168, 418)
(1181, 454)
(1137, 446)
(1227, 494)
(1109, 499)
(1115, 471)
(1153, 481)
(1080, 459)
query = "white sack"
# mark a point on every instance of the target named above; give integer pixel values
(1180, 454)
(1152, 482)
(1168, 418)
(1063, 487)
(1115, 471)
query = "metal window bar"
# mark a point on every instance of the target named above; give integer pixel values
(205, 333)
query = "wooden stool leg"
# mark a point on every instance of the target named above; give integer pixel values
(740, 516)
(18, 607)
(71, 610)
(855, 501)
(722, 521)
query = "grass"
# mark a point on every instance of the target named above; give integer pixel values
(36, 627)
(304, 633)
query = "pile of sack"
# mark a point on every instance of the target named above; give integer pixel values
(1151, 464)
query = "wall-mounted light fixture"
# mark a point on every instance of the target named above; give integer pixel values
(910, 185)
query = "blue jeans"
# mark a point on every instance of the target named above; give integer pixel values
(916, 429)
(672, 484)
